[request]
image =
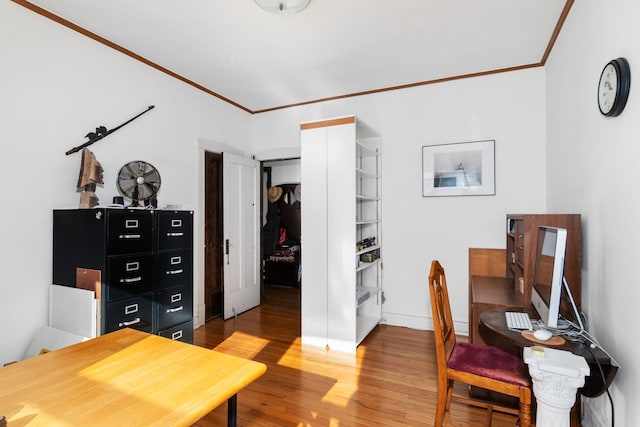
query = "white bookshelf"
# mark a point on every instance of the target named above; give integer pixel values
(340, 172)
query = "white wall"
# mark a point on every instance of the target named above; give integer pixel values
(592, 170)
(506, 107)
(284, 171)
(55, 87)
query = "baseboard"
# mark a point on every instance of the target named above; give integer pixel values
(420, 322)
(407, 321)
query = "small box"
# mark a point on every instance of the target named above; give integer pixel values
(370, 256)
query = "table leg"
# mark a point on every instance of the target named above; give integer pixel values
(232, 407)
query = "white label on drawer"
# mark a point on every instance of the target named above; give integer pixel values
(132, 266)
(175, 260)
(133, 308)
(176, 335)
(131, 223)
(176, 297)
(129, 236)
(176, 223)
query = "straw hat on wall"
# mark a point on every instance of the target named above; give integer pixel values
(274, 194)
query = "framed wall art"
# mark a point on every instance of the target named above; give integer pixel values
(459, 169)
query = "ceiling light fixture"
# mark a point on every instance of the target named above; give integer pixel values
(283, 7)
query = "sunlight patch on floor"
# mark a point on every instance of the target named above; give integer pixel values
(341, 393)
(320, 361)
(242, 345)
(343, 368)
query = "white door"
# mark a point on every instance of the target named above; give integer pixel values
(241, 226)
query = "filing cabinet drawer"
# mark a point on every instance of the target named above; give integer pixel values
(129, 276)
(130, 232)
(174, 306)
(182, 332)
(175, 230)
(174, 268)
(133, 313)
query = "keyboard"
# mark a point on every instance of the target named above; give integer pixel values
(518, 320)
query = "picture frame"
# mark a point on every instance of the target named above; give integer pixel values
(459, 169)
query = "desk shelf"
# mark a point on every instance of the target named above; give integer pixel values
(488, 293)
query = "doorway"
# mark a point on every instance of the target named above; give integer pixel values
(231, 228)
(284, 173)
(281, 223)
(213, 240)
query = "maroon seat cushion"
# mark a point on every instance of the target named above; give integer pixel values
(488, 361)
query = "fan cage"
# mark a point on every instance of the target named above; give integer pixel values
(139, 181)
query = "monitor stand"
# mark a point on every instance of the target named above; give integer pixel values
(576, 313)
(563, 324)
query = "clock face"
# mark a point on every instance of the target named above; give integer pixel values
(613, 87)
(608, 88)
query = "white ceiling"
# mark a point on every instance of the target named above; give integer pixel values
(334, 48)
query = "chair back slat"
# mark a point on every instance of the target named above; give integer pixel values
(445, 335)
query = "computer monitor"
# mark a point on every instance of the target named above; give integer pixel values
(548, 274)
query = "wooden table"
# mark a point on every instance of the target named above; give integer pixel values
(493, 326)
(127, 378)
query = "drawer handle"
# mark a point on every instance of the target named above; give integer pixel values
(176, 335)
(176, 223)
(176, 234)
(172, 272)
(131, 279)
(129, 323)
(131, 223)
(173, 310)
(176, 298)
(129, 236)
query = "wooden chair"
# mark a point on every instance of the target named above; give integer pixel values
(476, 365)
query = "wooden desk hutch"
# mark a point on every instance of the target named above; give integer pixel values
(488, 288)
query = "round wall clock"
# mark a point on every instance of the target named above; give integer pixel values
(613, 87)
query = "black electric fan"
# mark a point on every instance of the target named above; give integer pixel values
(139, 182)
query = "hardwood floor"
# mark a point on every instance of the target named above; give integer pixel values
(390, 381)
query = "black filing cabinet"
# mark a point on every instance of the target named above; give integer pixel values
(174, 274)
(139, 261)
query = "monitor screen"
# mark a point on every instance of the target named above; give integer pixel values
(548, 274)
